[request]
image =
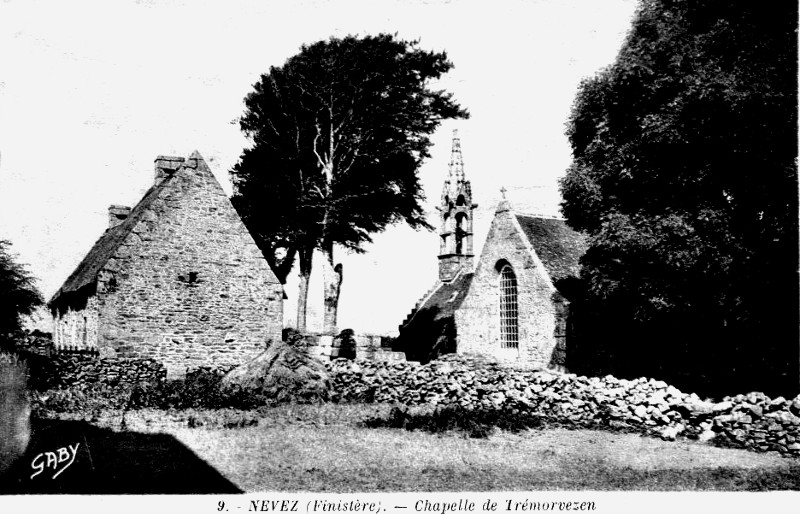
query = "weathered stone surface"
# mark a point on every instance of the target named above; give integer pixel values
(706, 435)
(180, 281)
(753, 411)
(79, 370)
(698, 408)
(671, 432)
(580, 401)
(723, 406)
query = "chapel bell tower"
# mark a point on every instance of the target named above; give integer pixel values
(455, 245)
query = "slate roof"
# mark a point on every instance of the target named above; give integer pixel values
(557, 245)
(447, 298)
(107, 245)
(431, 329)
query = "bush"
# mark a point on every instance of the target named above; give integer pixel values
(19, 297)
(14, 410)
(200, 389)
(294, 338)
(86, 399)
(477, 423)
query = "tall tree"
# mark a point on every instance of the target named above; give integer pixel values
(18, 295)
(338, 132)
(685, 177)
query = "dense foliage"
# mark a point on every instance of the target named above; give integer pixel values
(338, 134)
(18, 295)
(685, 177)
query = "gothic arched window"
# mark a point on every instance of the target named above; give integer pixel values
(509, 313)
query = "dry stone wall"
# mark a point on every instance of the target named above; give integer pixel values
(752, 421)
(86, 370)
(51, 367)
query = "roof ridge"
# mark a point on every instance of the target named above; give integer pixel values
(557, 245)
(540, 216)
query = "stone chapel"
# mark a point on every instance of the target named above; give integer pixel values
(514, 304)
(177, 278)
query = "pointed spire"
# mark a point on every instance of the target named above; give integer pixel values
(456, 161)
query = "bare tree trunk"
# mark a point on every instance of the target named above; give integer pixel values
(332, 276)
(302, 290)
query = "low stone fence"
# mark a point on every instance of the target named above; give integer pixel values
(752, 421)
(80, 370)
(51, 368)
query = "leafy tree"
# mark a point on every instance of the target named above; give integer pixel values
(18, 296)
(685, 177)
(338, 134)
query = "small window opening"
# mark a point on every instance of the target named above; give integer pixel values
(190, 278)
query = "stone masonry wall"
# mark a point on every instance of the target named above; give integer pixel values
(478, 319)
(752, 421)
(189, 287)
(78, 371)
(367, 347)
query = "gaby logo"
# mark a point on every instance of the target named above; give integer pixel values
(55, 460)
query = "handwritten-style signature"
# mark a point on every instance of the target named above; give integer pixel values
(55, 460)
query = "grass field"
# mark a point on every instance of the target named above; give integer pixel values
(325, 448)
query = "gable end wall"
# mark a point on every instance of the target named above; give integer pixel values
(478, 319)
(151, 306)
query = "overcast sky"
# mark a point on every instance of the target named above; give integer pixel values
(91, 92)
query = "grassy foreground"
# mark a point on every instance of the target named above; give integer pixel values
(326, 448)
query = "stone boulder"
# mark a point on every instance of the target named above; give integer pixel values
(282, 373)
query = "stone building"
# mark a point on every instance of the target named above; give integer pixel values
(177, 278)
(514, 304)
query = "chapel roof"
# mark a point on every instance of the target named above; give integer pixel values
(431, 328)
(447, 298)
(556, 244)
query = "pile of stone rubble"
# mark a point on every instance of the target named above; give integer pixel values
(752, 421)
